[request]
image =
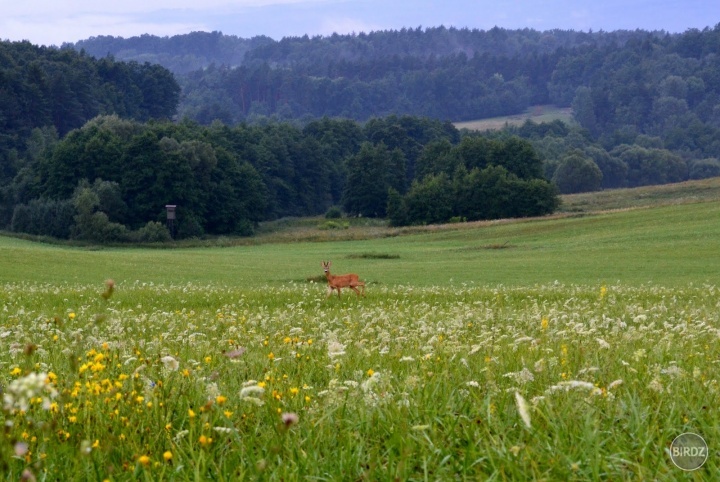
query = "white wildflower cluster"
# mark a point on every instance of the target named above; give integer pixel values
(251, 393)
(170, 363)
(521, 377)
(574, 385)
(21, 392)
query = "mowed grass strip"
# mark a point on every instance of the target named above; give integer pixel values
(667, 245)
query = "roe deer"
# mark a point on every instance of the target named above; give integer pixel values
(342, 281)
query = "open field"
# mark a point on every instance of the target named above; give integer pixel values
(575, 347)
(668, 245)
(538, 113)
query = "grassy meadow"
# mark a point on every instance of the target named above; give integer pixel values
(575, 347)
(538, 113)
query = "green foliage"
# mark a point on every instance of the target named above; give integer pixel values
(651, 166)
(334, 225)
(334, 212)
(429, 201)
(704, 168)
(577, 173)
(153, 232)
(91, 224)
(368, 181)
(44, 217)
(397, 209)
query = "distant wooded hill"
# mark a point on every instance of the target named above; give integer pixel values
(620, 84)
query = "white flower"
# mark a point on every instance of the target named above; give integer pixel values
(472, 383)
(21, 391)
(656, 386)
(253, 400)
(251, 390)
(603, 343)
(335, 348)
(523, 376)
(170, 363)
(673, 371)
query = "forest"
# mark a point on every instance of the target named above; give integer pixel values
(97, 137)
(647, 104)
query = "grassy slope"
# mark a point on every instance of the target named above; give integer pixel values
(675, 242)
(538, 113)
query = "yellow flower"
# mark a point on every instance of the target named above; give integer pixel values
(294, 391)
(71, 315)
(228, 413)
(15, 371)
(204, 440)
(544, 323)
(145, 460)
(96, 444)
(271, 356)
(370, 372)
(191, 413)
(220, 399)
(167, 456)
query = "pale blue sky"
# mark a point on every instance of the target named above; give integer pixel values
(52, 22)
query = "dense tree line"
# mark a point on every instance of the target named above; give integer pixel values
(111, 179)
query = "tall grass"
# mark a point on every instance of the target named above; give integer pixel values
(200, 382)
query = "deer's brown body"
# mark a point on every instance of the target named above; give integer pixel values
(336, 282)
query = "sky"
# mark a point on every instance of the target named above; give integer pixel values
(53, 22)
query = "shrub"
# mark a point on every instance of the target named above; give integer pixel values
(334, 225)
(154, 232)
(333, 213)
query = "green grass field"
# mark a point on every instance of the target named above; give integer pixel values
(575, 347)
(669, 245)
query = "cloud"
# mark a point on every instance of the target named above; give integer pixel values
(72, 29)
(49, 22)
(74, 7)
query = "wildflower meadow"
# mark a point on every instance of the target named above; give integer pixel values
(141, 381)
